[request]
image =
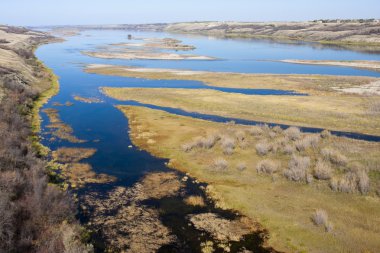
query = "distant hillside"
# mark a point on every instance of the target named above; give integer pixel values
(353, 32)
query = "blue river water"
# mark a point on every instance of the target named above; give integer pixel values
(108, 126)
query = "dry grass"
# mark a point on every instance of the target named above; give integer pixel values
(66, 155)
(60, 129)
(349, 113)
(195, 201)
(274, 203)
(311, 84)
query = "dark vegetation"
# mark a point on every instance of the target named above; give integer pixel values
(36, 216)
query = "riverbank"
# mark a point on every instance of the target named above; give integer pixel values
(350, 34)
(369, 65)
(39, 215)
(268, 196)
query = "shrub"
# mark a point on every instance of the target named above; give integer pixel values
(363, 182)
(241, 166)
(288, 149)
(219, 165)
(347, 184)
(322, 170)
(228, 151)
(227, 142)
(187, 147)
(297, 170)
(240, 135)
(325, 134)
(334, 156)
(309, 178)
(256, 131)
(267, 166)
(262, 148)
(277, 129)
(293, 133)
(320, 218)
(306, 142)
(209, 141)
(272, 134)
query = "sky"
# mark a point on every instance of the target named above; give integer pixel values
(82, 12)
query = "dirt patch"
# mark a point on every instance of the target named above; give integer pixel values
(223, 229)
(372, 88)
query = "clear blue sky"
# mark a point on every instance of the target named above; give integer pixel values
(61, 12)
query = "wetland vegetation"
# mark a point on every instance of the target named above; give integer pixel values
(141, 179)
(265, 172)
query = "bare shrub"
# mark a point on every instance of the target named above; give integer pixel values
(302, 144)
(293, 133)
(241, 166)
(272, 134)
(363, 181)
(267, 166)
(277, 129)
(322, 170)
(309, 178)
(298, 167)
(228, 151)
(209, 141)
(219, 165)
(240, 135)
(306, 142)
(320, 218)
(227, 142)
(334, 156)
(288, 149)
(262, 148)
(347, 183)
(256, 131)
(325, 134)
(187, 147)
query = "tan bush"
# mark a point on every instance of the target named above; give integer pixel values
(256, 131)
(219, 165)
(288, 149)
(320, 218)
(293, 133)
(347, 183)
(334, 156)
(325, 134)
(241, 166)
(363, 181)
(267, 166)
(240, 135)
(262, 148)
(322, 170)
(298, 168)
